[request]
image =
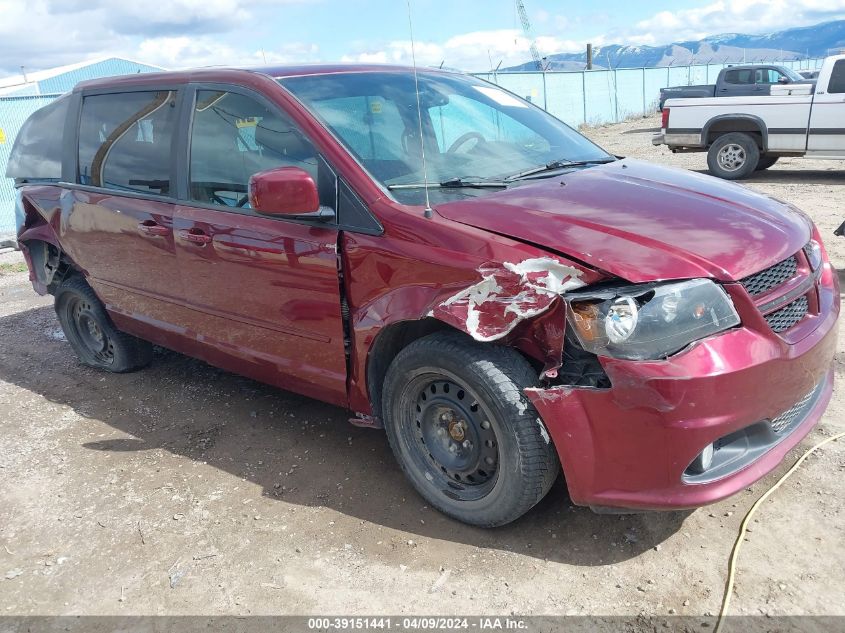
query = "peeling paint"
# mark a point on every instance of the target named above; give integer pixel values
(507, 295)
(543, 431)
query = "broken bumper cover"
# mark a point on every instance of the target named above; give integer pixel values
(630, 446)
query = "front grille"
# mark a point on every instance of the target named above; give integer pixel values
(772, 277)
(794, 414)
(783, 319)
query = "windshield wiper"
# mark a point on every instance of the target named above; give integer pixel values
(453, 183)
(559, 164)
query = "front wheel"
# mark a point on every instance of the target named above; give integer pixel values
(464, 432)
(733, 156)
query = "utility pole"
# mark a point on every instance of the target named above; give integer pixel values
(589, 57)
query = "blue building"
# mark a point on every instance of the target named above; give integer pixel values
(22, 95)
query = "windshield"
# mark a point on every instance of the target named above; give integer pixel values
(471, 130)
(793, 76)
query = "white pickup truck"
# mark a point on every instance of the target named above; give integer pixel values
(744, 134)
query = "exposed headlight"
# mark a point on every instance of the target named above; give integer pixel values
(649, 321)
(813, 251)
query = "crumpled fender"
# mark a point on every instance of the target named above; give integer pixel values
(509, 294)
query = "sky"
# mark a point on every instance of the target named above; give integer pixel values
(471, 35)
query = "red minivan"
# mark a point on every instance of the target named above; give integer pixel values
(447, 261)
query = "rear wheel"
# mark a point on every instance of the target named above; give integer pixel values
(733, 156)
(464, 432)
(766, 161)
(92, 335)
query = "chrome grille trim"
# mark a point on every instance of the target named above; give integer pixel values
(771, 277)
(783, 319)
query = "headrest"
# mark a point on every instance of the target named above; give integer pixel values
(285, 142)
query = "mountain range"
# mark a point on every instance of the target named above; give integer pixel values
(796, 43)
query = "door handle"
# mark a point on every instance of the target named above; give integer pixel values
(195, 236)
(151, 227)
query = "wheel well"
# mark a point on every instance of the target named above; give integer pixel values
(49, 264)
(390, 341)
(727, 126)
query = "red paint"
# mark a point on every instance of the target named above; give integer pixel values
(261, 296)
(283, 191)
(644, 222)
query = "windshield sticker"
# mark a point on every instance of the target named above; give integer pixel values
(500, 96)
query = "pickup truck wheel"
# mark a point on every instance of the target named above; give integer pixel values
(464, 432)
(766, 161)
(92, 335)
(733, 156)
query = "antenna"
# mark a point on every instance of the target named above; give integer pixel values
(428, 211)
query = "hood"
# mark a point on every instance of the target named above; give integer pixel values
(643, 222)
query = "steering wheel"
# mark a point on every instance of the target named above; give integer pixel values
(223, 203)
(464, 138)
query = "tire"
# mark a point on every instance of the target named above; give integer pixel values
(92, 335)
(766, 161)
(733, 156)
(445, 390)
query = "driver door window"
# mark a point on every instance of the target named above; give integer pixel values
(234, 137)
(768, 76)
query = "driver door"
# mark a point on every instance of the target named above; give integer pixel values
(263, 292)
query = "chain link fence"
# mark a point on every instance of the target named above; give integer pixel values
(592, 97)
(597, 97)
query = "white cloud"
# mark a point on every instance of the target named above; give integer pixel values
(728, 16)
(45, 33)
(182, 33)
(193, 52)
(476, 50)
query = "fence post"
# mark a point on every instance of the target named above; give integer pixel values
(644, 106)
(545, 95)
(584, 93)
(615, 97)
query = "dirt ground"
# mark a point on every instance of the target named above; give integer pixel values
(182, 489)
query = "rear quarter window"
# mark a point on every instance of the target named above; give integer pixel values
(837, 78)
(37, 152)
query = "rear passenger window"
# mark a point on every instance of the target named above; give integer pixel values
(125, 141)
(740, 76)
(837, 78)
(233, 137)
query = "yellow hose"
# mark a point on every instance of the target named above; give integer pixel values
(729, 585)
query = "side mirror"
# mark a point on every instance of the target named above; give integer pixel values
(783, 80)
(288, 191)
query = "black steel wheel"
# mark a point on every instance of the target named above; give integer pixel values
(92, 335)
(83, 320)
(452, 432)
(463, 430)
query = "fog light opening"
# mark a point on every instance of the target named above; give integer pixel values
(704, 460)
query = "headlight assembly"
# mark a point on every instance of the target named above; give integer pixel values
(649, 321)
(813, 251)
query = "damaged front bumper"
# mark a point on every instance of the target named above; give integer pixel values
(748, 392)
